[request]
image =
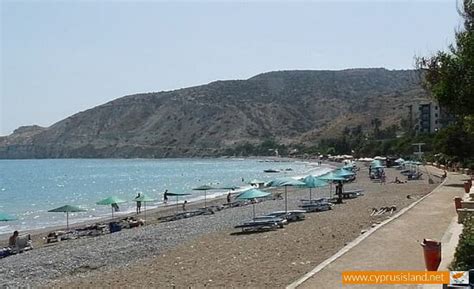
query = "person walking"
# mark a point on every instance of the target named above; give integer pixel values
(139, 204)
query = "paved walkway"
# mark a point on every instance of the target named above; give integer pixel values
(396, 245)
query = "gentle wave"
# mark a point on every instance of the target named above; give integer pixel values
(29, 188)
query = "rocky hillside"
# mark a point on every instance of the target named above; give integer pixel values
(289, 106)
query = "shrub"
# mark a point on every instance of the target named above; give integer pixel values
(464, 256)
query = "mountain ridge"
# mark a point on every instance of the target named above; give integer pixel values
(290, 106)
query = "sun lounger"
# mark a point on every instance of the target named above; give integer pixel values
(290, 216)
(405, 172)
(280, 221)
(235, 204)
(258, 225)
(414, 176)
(316, 207)
(319, 200)
(5, 252)
(115, 227)
(184, 215)
(57, 236)
(351, 194)
(131, 222)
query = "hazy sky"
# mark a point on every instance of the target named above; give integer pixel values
(58, 58)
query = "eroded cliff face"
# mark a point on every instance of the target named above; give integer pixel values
(289, 106)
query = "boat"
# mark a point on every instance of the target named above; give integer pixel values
(271, 171)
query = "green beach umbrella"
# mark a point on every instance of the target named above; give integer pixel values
(6, 217)
(67, 209)
(313, 182)
(278, 182)
(287, 182)
(110, 201)
(376, 164)
(331, 177)
(252, 194)
(177, 195)
(344, 173)
(348, 167)
(204, 188)
(144, 198)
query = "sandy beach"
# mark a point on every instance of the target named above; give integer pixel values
(206, 251)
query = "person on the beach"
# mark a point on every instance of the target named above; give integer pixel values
(228, 198)
(115, 207)
(139, 204)
(339, 192)
(165, 197)
(12, 239)
(184, 205)
(397, 181)
(445, 174)
(382, 178)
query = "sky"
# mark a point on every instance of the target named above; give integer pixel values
(62, 57)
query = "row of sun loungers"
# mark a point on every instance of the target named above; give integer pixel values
(93, 230)
(186, 214)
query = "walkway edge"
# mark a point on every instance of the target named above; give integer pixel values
(358, 240)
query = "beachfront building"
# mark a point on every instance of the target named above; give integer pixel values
(427, 117)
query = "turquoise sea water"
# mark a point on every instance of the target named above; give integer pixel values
(28, 188)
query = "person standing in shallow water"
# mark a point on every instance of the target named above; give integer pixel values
(165, 197)
(139, 204)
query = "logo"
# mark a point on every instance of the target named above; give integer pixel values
(459, 277)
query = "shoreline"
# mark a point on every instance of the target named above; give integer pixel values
(195, 250)
(103, 215)
(38, 234)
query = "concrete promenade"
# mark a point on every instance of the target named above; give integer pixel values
(396, 244)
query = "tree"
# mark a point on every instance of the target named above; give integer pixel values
(449, 77)
(376, 123)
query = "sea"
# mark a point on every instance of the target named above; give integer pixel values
(29, 188)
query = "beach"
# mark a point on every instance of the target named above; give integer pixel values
(207, 250)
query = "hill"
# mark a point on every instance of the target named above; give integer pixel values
(288, 106)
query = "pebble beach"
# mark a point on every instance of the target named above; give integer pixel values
(206, 250)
